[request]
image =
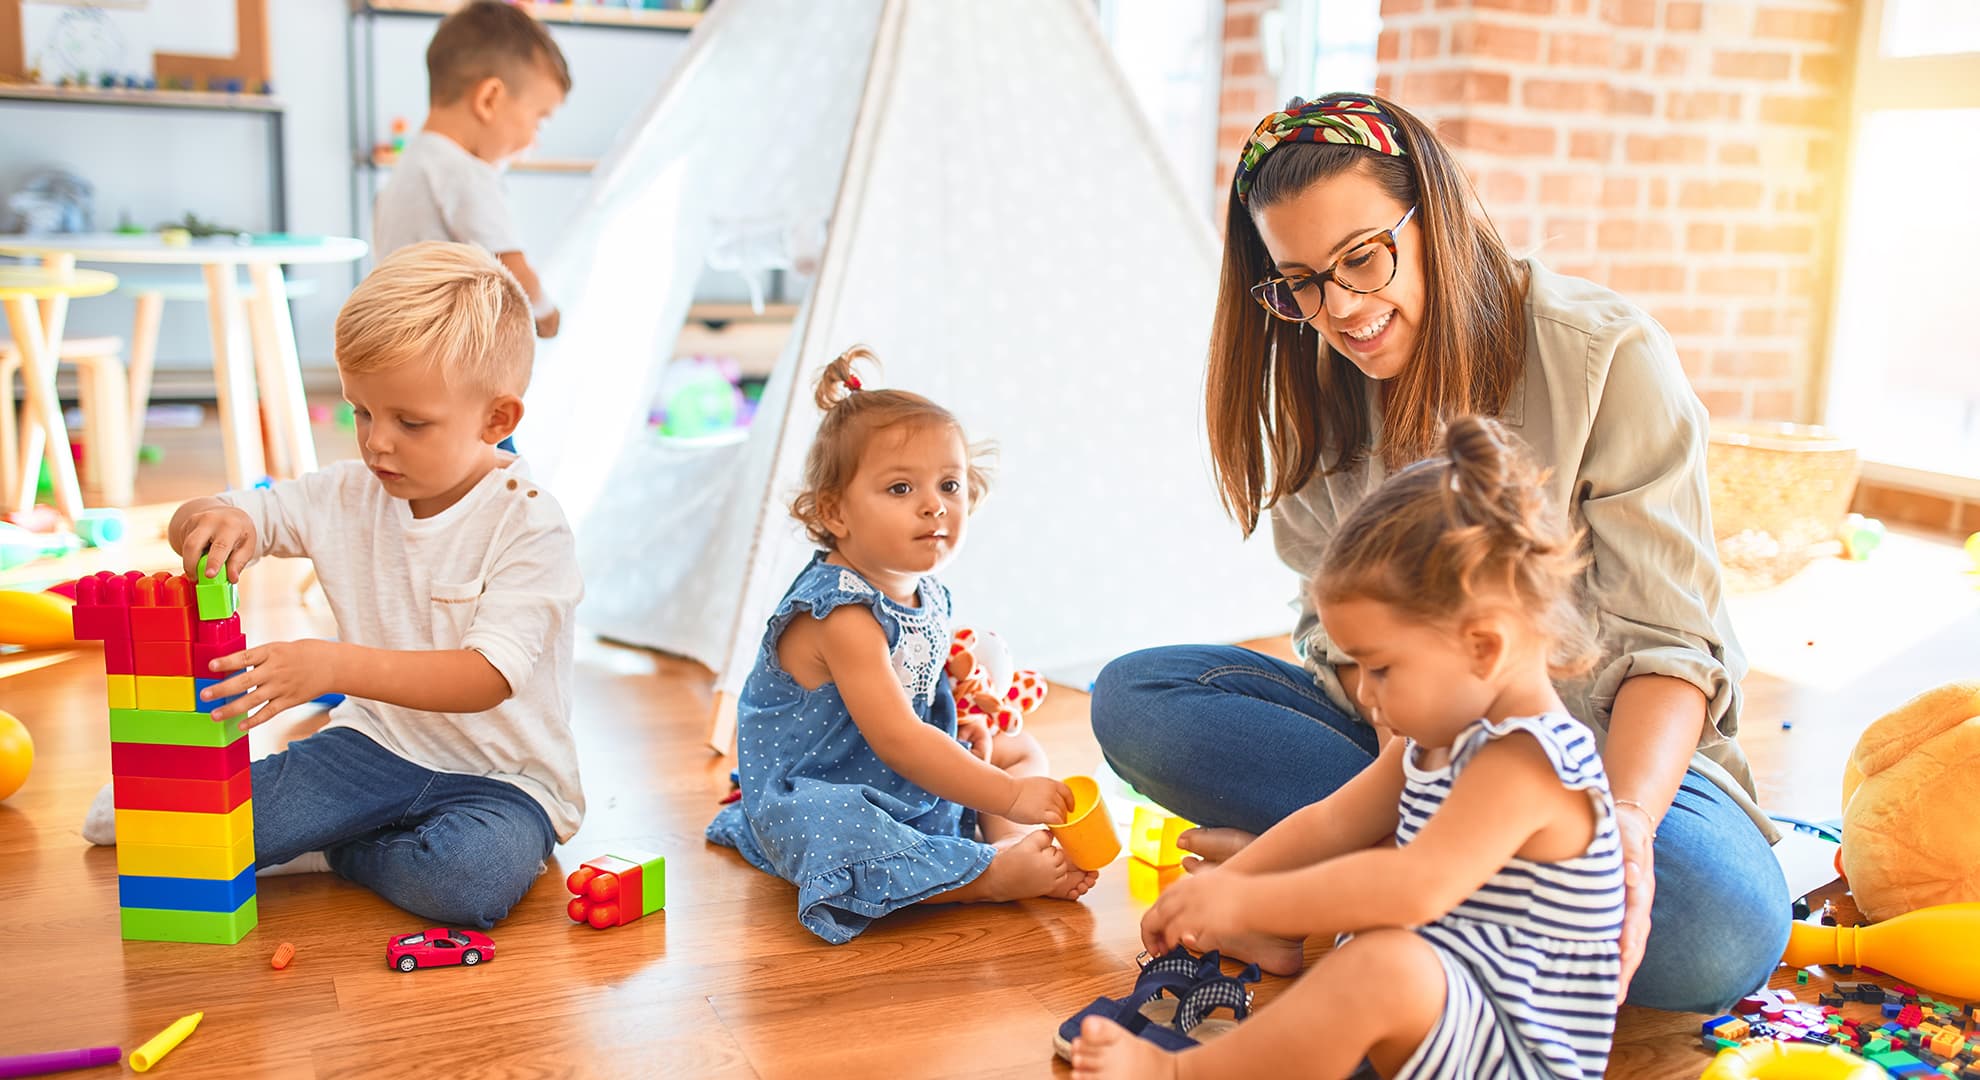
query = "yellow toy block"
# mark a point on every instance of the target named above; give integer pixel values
(185, 860)
(175, 828)
(165, 693)
(1152, 836)
(123, 691)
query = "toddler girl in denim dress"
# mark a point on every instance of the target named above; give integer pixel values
(856, 783)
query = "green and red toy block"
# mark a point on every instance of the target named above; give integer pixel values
(613, 890)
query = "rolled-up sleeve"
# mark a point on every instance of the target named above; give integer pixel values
(1641, 490)
(285, 513)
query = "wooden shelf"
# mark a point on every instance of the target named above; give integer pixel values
(579, 14)
(571, 166)
(156, 99)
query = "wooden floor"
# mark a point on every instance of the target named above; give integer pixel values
(726, 983)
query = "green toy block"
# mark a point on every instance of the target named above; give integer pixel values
(172, 728)
(198, 927)
(653, 885)
(1893, 1059)
(218, 597)
(1800, 977)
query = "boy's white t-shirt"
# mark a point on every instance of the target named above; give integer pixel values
(495, 572)
(439, 191)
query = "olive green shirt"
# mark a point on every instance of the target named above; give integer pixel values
(1605, 405)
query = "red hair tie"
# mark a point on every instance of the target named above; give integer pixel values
(852, 382)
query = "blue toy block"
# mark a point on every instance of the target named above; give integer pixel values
(185, 894)
(205, 706)
(1892, 1009)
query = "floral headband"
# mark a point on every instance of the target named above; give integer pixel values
(1336, 118)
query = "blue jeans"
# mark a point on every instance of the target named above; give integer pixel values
(458, 850)
(1227, 736)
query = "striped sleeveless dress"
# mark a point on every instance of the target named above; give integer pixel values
(1531, 959)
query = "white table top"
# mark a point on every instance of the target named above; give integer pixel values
(218, 250)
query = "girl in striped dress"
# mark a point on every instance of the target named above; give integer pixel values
(1482, 942)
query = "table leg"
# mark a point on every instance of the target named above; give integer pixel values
(267, 381)
(233, 378)
(144, 350)
(51, 315)
(44, 411)
(281, 371)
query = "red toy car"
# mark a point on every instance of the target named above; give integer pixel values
(438, 947)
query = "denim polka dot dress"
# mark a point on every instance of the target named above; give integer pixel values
(819, 808)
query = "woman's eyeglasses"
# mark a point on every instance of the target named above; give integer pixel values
(1367, 267)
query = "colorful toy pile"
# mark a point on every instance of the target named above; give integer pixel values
(1919, 1036)
(180, 780)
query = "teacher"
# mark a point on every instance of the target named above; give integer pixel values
(1364, 301)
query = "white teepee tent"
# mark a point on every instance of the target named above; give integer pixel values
(1002, 228)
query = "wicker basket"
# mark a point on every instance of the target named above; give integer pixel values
(1779, 491)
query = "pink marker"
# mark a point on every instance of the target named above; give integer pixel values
(59, 1061)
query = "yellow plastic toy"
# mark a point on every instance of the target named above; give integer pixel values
(1152, 836)
(16, 754)
(1770, 1060)
(1088, 834)
(37, 620)
(1936, 948)
(1909, 804)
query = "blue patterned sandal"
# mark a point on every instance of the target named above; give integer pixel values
(1145, 1012)
(1218, 991)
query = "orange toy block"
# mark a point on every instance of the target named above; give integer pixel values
(162, 608)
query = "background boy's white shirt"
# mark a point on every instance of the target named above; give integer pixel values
(439, 191)
(495, 572)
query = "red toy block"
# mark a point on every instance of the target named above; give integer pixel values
(612, 891)
(162, 608)
(119, 656)
(103, 606)
(163, 658)
(166, 762)
(213, 639)
(191, 796)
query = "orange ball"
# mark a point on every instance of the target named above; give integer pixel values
(16, 754)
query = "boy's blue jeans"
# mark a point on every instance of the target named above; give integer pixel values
(455, 849)
(1227, 736)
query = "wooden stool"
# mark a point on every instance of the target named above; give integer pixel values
(109, 458)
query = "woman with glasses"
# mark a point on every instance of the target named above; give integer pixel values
(1365, 301)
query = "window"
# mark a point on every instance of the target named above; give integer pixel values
(1904, 364)
(1321, 46)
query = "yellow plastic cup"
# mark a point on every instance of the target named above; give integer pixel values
(1088, 834)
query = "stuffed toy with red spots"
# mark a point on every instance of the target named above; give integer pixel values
(988, 684)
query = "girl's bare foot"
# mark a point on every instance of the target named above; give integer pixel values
(1024, 867)
(1212, 846)
(1105, 1049)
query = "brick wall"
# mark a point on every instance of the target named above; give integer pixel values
(1683, 152)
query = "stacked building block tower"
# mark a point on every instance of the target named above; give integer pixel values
(185, 822)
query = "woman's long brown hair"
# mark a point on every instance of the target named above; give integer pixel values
(1283, 406)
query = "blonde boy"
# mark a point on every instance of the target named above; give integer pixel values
(493, 76)
(449, 771)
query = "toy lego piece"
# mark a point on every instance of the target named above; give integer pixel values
(284, 953)
(103, 605)
(161, 608)
(173, 727)
(163, 658)
(172, 762)
(1725, 1027)
(188, 796)
(217, 598)
(613, 890)
(165, 693)
(214, 639)
(201, 704)
(122, 690)
(185, 861)
(186, 893)
(182, 827)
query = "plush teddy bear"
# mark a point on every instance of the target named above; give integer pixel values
(988, 684)
(1910, 803)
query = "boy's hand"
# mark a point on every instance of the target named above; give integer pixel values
(546, 324)
(280, 675)
(975, 730)
(1203, 911)
(225, 532)
(1040, 800)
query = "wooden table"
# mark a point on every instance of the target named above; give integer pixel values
(36, 300)
(274, 362)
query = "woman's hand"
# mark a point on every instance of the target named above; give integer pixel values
(279, 675)
(1636, 832)
(1203, 911)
